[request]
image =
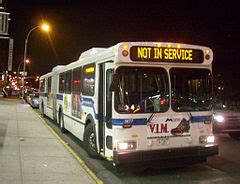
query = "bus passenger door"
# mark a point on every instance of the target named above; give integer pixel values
(54, 96)
(49, 109)
(105, 109)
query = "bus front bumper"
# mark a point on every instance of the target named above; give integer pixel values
(190, 153)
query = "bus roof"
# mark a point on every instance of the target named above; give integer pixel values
(91, 51)
(104, 54)
(100, 54)
(56, 68)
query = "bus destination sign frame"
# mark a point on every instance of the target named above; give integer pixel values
(166, 54)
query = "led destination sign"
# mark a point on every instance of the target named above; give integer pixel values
(165, 54)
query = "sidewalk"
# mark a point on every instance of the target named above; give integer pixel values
(30, 153)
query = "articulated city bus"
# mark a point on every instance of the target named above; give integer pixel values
(136, 101)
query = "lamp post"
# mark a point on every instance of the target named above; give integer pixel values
(18, 70)
(45, 28)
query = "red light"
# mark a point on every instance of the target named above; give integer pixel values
(125, 53)
(76, 81)
(162, 101)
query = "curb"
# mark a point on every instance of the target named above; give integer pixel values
(74, 154)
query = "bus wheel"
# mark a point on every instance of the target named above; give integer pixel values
(61, 123)
(90, 141)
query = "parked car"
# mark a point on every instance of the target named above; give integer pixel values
(34, 100)
(28, 98)
(227, 118)
(27, 94)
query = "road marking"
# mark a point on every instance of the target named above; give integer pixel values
(81, 162)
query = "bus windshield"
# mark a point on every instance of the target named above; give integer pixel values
(141, 90)
(146, 90)
(191, 89)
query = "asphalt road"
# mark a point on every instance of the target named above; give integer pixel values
(221, 169)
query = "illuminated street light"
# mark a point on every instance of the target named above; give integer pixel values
(45, 28)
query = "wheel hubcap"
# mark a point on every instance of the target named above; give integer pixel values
(92, 141)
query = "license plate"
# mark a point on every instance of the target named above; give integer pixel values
(163, 140)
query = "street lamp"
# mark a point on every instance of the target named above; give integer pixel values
(45, 28)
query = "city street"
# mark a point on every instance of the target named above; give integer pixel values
(128, 92)
(31, 153)
(221, 169)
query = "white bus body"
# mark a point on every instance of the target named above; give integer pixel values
(136, 101)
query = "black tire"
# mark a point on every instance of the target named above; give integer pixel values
(235, 135)
(90, 141)
(61, 122)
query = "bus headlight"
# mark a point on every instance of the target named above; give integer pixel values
(35, 101)
(203, 139)
(218, 118)
(128, 145)
(210, 139)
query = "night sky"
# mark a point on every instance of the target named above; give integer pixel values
(77, 26)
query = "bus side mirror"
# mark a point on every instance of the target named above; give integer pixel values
(115, 83)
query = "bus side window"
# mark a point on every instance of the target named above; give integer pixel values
(42, 85)
(61, 83)
(68, 83)
(88, 81)
(76, 91)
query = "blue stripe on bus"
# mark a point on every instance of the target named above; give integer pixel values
(196, 119)
(120, 122)
(143, 121)
(59, 96)
(43, 94)
(88, 102)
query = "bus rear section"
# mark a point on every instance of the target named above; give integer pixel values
(162, 113)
